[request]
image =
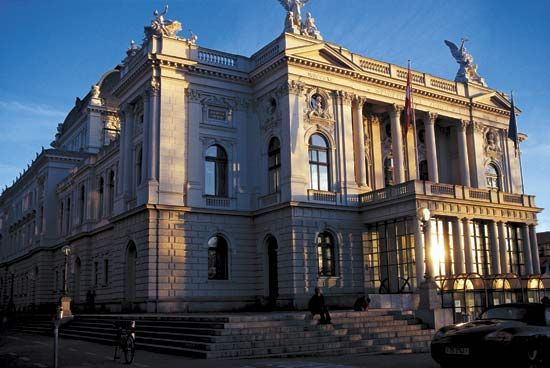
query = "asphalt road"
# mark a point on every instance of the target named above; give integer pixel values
(32, 351)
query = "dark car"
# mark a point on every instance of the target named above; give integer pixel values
(508, 335)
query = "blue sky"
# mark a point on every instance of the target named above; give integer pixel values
(53, 51)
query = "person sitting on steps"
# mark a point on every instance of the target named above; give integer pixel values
(361, 304)
(317, 306)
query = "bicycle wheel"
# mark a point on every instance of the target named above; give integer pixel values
(129, 350)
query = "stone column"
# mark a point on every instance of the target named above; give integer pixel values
(431, 150)
(502, 247)
(463, 153)
(411, 152)
(378, 164)
(534, 249)
(359, 142)
(345, 146)
(527, 249)
(458, 246)
(495, 256)
(468, 245)
(419, 254)
(397, 144)
(427, 228)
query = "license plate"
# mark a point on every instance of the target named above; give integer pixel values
(457, 351)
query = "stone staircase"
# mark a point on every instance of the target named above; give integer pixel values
(246, 335)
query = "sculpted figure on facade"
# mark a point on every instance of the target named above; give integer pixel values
(492, 148)
(310, 29)
(318, 105)
(293, 21)
(161, 26)
(468, 70)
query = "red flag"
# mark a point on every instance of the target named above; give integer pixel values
(408, 100)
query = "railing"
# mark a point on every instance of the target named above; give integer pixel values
(512, 198)
(266, 55)
(375, 66)
(479, 194)
(442, 189)
(269, 200)
(217, 58)
(415, 77)
(217, 201)
(321, 196)
(443, 84)
(457, 192)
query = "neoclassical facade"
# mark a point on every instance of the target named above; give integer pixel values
(190, 179)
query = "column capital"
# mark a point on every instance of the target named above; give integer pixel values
(479, 127)
(154, 87)
(395, 110)
(345, 97)
(359, 100)
(431, 117)
(463, 124)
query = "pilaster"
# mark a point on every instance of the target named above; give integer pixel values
(527, 251)
(504, 268)
(359, 141)
(534, 249)
(458, 246)
(468, 245)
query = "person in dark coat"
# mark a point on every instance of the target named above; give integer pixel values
(361, 304)
(317, 306)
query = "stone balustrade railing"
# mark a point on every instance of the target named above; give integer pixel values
(218, 58)
(394, 71)
(458, 192)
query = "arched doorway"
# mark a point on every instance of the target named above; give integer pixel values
(130, 275)
(273, 276)
(77, 269)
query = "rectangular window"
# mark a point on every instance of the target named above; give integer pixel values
(96, 273)
(480, 252)
(390, 256)
(514, 245)
(105, 272)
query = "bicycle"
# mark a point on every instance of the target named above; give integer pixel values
(125, 340)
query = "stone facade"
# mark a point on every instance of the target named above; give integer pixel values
(189, 179)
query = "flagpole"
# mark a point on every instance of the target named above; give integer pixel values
(414, 132)
(517, 147)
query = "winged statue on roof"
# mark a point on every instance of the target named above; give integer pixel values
(468, 70)
(293, 22)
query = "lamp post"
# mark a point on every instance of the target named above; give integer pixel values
(66, 250)
(424, 216)
(64, 314)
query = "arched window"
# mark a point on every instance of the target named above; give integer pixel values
(319, 163)
(139, 165)
(325, 254)
(274, 165)
(492, 177)
(82, 204)
(60, 218)
(111, 193)
(100, 189)
(215, 172)
(217, 258)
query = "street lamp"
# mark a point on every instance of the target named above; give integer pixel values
(66, 250)
(424, 216)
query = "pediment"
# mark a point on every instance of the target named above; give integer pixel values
(324, 54)
(494, 99)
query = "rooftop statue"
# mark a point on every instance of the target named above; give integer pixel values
(162, 26)
(468, 70)
(293, 22)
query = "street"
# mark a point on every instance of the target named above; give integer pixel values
(33, 351)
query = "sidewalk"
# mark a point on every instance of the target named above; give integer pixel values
(32, 351)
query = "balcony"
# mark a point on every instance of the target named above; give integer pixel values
(458, 192)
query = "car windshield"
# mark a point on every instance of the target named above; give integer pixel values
(508, 313)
